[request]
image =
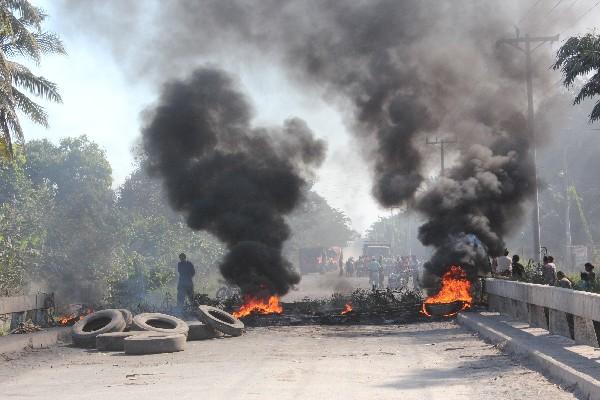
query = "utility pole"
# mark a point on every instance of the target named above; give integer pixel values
(569, 240)
(527, 50)
(442, 143)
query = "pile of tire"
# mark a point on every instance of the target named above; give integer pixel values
(151, 333)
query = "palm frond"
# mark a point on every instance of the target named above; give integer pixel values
(28, 13)
(26, 39)
(33, 110)
(43, 43)
(21, 35)
(38, 85)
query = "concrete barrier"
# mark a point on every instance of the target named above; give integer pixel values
(564, 312)
(14, 310)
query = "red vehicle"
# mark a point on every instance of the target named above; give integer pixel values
(319, 259)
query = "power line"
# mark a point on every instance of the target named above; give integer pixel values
(554, 8)
(529, 11)
(572, 4)
(581, 17)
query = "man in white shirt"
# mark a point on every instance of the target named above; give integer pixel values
(504, 267)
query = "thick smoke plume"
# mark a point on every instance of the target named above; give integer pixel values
(476, 204)
(400, 71)
(229, 178)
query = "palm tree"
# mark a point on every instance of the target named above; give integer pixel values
(21, 35)
(580, 56)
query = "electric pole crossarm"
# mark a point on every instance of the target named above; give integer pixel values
(442, 143)
(523, 39)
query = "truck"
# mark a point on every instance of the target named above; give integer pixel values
(377, 249)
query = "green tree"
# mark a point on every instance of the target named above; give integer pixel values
(316, 224)
(24, 210)
(579, 57)
(82, 230)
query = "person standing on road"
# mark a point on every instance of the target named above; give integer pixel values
(350, 267)
(549, 271)
(381, 273)
(185, 286)
(373, 273)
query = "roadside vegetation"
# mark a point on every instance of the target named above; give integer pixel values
(64, 227)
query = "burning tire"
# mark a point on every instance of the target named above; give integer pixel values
(201, 331)
(153, 343)
(157, 322)
(114, 341)
(85, 330)
(220, 320)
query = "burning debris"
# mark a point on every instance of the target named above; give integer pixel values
(77, 313)
(347, 309)
(259, 306)
(454, 295)
(229, 178)
(360, 307)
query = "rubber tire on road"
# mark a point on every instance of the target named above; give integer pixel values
(127, 316)
(220, 320)
(140, 323)
(201, 331)
(83, 338)
(154, 342)
(114, 341)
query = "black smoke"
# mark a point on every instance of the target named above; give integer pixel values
(479, 201)
(229, 178)
(399, 71)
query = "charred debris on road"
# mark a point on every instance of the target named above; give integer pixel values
(360, 307)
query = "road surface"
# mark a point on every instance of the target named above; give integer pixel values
(324, 285)
(435, 360)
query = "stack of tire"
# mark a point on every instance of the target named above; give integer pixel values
(151, 333)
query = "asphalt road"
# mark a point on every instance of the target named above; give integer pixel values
(435, 360)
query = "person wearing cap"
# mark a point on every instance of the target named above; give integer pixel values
(185, 285)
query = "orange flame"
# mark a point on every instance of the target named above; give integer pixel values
(455, 287)
(347, 309)
(259, 306)
(70, 319)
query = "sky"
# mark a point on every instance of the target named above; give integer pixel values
(101, 101)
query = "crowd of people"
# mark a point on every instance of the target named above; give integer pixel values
(506, 266)
(378, 268)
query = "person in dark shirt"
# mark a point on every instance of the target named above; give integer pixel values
(185, 286)
(589, 268)
(518, 270)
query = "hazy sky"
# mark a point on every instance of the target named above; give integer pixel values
(104, 103)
